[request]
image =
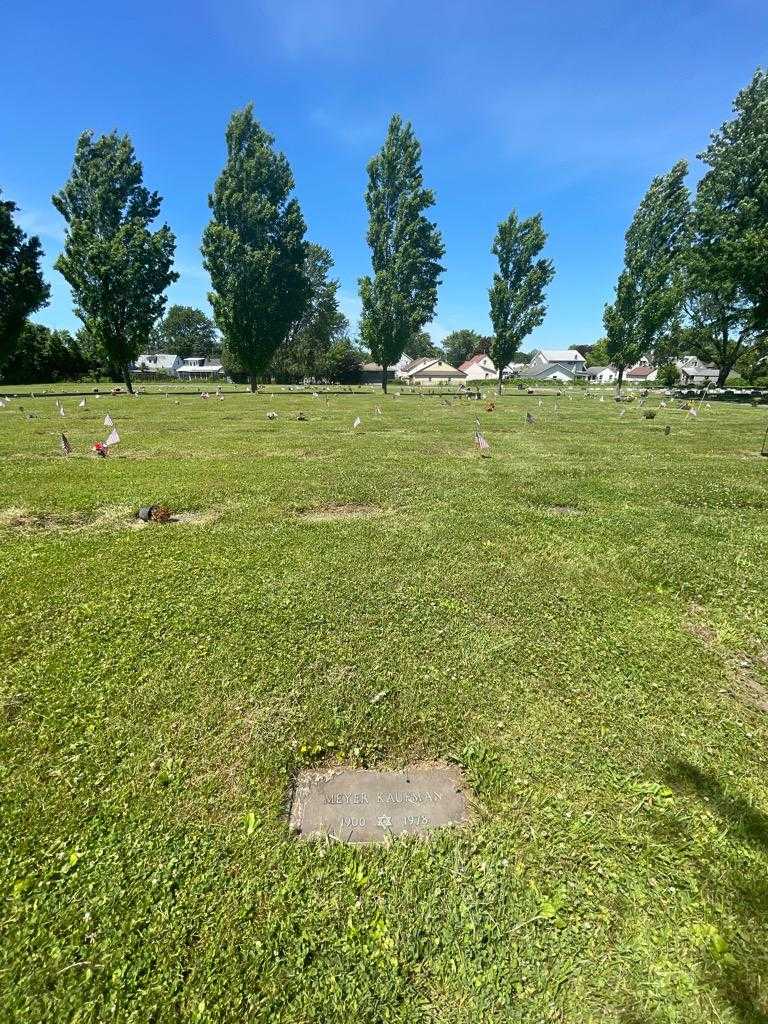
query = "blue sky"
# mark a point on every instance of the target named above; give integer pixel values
(552, 106)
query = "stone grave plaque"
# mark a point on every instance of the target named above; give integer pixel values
(362, 806)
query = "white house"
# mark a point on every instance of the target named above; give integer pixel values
(198, 367)
(479, 367)
(602, 374)
(158, 362)
(429, 370)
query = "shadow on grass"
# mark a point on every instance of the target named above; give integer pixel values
(733, 883)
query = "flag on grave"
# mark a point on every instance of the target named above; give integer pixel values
(378, 411)
(358, 422)
(64, 444)
(529, 418)
(114, 438)
(481, 442)
(622, 412)
(693, 412)
(61, 410)
(108, 421)
(81, 404)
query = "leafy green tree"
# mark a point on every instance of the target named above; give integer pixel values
(42, 355)
(406, 249)
(117, 267)
(341, 363)
(185, 331)
(668, 375)
(648, 305)
(753, 365)
(22, 288)
(254, 247)
(517, 293)
(463, 344)
(727, 284)
(321, 324)
(420, 347)
(597, 354)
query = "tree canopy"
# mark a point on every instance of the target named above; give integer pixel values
(185, 331)
(406, 249)
(727, 266)
(117, 267)
(518, 289)
(254, 248)
(463, 344)
(321, 325)
(22, 288)
(648, 303)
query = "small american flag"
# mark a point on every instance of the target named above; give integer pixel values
(358, 423)
(481, 442)
(114, 438)
(529, 419)
(693, 412)
(64, 444)
(61, 410)
(81, 404)
(108, 421)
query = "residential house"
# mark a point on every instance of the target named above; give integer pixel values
(433, 370)
(402, 364)
(568, 358)
(200, 368)
(158, 362)
(694, 372)
(515, 370)
(641, 374)
(602, 374)
(479, 367)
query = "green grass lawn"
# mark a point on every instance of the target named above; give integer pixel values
(580, 620)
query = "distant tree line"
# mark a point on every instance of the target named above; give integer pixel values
(694, 280)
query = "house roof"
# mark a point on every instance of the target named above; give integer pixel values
(429, 367)
(164, 360)
(551, 368)
(640, 371)
(594, 370)
(555, 355)
(372, 367)
(478, 358)
(700, 370)
(420, 363)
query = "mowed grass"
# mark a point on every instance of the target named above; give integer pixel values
(580, 620)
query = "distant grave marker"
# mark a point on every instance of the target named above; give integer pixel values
(364, 806)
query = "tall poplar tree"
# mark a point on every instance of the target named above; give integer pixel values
(728, 262)
(254, 248)
(517, 292)
(406, 249)
(648, 304)
(22, 288)
(117, 267)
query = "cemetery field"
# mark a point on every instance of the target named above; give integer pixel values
(579, 621)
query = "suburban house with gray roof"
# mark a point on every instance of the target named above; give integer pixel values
(158, 362)
(694, 372)
(555, 364)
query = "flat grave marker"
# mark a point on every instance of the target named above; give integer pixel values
(365, 806)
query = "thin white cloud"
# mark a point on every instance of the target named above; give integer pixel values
(46, 224)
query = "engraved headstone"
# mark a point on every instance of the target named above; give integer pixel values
(363, 806)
